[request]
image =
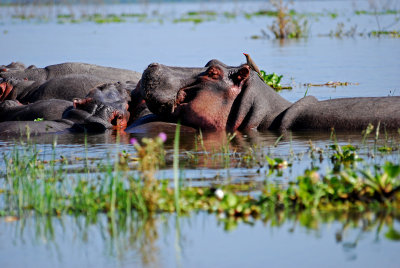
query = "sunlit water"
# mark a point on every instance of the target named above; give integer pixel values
(200, 240)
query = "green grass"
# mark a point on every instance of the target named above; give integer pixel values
(127, 182)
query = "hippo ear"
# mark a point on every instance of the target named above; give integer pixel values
(241, 75)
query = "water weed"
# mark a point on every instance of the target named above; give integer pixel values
(273, 80)
(128, 182)
(288, 23)
(286, 26)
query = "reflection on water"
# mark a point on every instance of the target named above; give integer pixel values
(210, 157)
(167, 241)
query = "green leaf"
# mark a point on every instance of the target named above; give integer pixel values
(230, 200)
(392, 234)
(392, 170)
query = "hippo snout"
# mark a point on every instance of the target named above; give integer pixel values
(157, 84)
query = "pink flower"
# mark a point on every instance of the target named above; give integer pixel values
(133, 141)
(162, 136)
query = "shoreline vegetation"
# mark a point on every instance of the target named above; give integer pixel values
(283, 21)
(53, 185)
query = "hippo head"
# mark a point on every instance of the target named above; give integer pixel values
(104, 107)
(14, 66)
(216, 97)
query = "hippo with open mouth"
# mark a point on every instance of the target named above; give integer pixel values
(220, 97)
(104, 107)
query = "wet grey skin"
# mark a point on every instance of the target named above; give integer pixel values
(53, 109)
(104, 107)
(61, 81)
(221, 97)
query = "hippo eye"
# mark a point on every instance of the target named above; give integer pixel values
(214, 72)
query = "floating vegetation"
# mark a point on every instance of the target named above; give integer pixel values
(134, 15)
(230, 15)
(23, 16)
(341, 32)
(127, 182)
(273, 80)
(268, 13)
(385, 12)
(288, 23)
(190, 19)
(100, 19)
(202, 13)
(197, 17)
(331, 84)
(395, 34)
(65, 16)
(333, 15)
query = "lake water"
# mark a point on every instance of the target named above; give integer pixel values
(201, 240)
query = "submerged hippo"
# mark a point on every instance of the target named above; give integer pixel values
(104, 107)
(61, 81)
(221, 97)
(14, 66)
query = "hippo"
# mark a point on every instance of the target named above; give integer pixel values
(61, 81)
(14, 66)
(104, 107)
(53, 109)
(220, 97)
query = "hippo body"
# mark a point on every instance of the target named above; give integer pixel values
(21, 128)
(61, 81)
(52, 109)
(58, 70)
(221, 97)
(66, 87)
(342, 114)
(15, 66)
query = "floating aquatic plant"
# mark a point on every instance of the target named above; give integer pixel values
(273, 80)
